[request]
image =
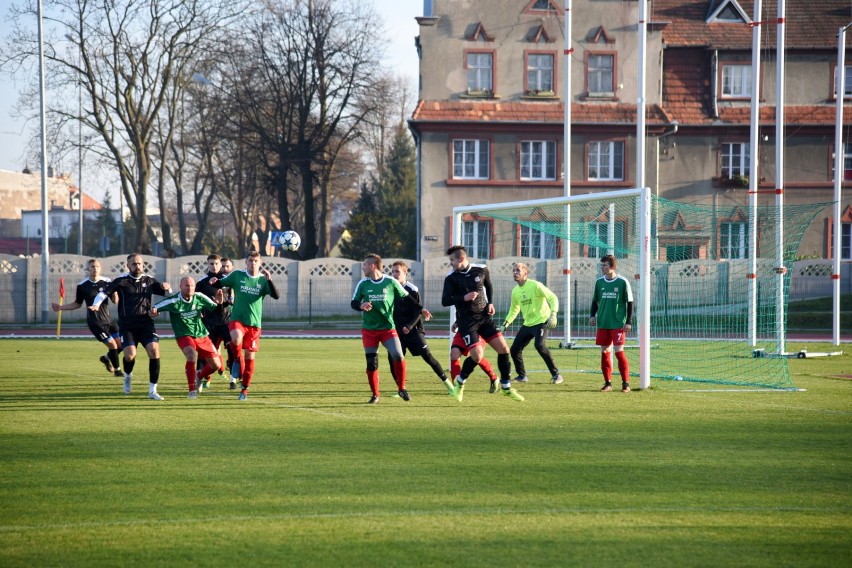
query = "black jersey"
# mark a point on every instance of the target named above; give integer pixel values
(406, 314)
(87, 290)
(221, 314)
(457, 284)
(134, 297)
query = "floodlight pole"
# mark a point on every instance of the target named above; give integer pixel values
(840, 95)
(753, 173)
(780, 97)
(45, 207)
(567, 98)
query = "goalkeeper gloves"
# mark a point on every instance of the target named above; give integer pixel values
(552, 322)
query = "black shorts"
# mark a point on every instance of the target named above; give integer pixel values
(413, 341)
(471, 330)
(219, 333)
(103, 331)
(136, 333)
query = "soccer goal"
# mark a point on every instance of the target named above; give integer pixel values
(706, 299)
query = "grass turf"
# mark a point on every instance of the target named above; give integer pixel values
(305, 473)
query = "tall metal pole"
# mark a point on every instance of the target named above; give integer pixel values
(567, 97)
(753, 173)
(45, 207)
(80, 166)
(780, 99)
(839, 153)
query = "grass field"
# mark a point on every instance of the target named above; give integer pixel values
(305, 473)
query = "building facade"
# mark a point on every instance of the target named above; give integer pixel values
(489, 122)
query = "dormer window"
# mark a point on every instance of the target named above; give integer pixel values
(538, 6)
(728, 12)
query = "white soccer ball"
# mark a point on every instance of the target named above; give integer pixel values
(290, 240)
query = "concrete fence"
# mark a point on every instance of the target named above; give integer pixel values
(322, 288)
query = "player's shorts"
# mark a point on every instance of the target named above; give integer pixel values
(251, 335)
(458, 343)
(473, 331)
(142, 332)
(606, 337)
(201, 345)
(371, 338)
(219, 333)
(103, 331)
(413, 341)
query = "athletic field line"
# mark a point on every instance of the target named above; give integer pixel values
(408, 513)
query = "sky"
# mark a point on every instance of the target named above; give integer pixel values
(400, 25)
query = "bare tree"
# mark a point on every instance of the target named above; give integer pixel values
(129, 56)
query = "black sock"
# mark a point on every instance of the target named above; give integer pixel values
(504, 367)
(112, 355)
(468, 367)
(154, 370)
(128, 365)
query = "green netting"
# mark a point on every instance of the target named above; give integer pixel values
(700, 282)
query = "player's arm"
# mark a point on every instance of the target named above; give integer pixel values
(273, 291)
(65, 307)
(110, 291)
(356, 302)
(448, 297)
(514, 309)
(161, 288)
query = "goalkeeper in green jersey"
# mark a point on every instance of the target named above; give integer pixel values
(190, 332)
(612, 312)
(539, 307)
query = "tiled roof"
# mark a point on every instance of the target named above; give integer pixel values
(810, 24)
(533, 112)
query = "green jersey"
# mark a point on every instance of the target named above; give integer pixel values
(534, 301)
(186, 314)
(612, 297)
(248, 296)
(382, 293)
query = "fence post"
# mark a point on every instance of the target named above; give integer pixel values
(310, 301)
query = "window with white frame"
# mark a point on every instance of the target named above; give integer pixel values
(540, 72)
(733, 240)
(735, 161)
(600, 73)
(471, 159)
(476, 238)
(538, 160)
(736, 81)
(539, 242)
(599, 232)
(846, 241)
(479, 72)
(606, 161)
(847, 82)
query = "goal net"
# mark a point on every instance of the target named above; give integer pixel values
(712, 303)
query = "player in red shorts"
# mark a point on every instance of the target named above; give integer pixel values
(458, 350)
(612, 312)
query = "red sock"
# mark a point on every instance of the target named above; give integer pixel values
(373, 379)
(606, 366)
(189, 369)
(623, 366)
(455, 368)
(485, 365)
(399, 371)
(238, 356)
(248, 373)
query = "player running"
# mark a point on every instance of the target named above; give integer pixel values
(134, 291)
(192, 337)
(98, 321)
(215, 319)
(249, 286)
(468, 288)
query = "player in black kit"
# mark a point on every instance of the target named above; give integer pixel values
(98, 321)
(134, 291)
(468, 288)
(408, 320)
(216, 319)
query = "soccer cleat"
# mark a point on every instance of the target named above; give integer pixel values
(127, 379)
(193, 394)
(154, 395)
(513, 394)
(118, 373)
(606, 388)
(493, 388)
(106, 363)
(205, 385)
(243, 394)
(233, 385)
(373, 400)
(625, 387)
(522, 378)
(458, 392)
(556, 379)
(403, 394)
(448, 384)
